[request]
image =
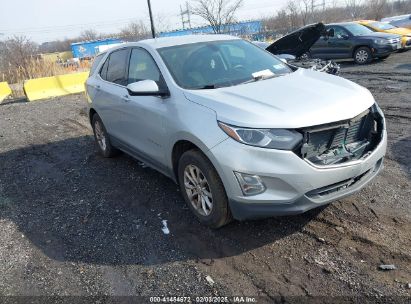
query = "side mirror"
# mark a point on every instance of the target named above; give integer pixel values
(345, 36)
(145, 88)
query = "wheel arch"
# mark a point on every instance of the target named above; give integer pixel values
(360, 46)
(179, 148)
(91, 113)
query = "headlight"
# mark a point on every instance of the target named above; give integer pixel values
(378, 109)
(280, 139)
(381, 41)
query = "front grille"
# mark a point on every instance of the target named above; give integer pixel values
(340, 142)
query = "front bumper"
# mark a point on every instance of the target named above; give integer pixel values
(293, 185)
(406, 43)
(385, 49)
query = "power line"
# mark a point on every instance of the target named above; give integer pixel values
(69, 26)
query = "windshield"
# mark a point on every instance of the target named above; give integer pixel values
(382, 26)
(357, 29)
(214, 64)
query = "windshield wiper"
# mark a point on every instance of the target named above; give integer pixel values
(255, 79)
(207, 87)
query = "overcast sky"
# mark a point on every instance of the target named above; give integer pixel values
(45, 20)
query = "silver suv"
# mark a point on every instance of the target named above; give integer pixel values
(243, 134)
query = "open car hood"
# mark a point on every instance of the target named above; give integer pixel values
(298, 42)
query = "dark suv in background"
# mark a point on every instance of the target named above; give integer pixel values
(352, 40)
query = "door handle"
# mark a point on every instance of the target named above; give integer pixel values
(126, 98)
(98, 87)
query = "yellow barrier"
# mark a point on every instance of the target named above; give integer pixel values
(5, 90)
(48, 87)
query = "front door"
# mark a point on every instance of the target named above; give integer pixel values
(144, 115)
(339, 46)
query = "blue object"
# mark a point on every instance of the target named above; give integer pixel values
(235, 29)
(88, 49)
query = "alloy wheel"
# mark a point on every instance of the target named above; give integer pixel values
(100, 136)
(361, 56)
(198, 190)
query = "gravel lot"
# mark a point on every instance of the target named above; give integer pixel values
(74, 223)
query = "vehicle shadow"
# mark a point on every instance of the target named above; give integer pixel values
(401, 153)
(405, 66)
(13, 100)
(76, 206)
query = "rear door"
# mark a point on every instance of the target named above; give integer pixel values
(110, 91)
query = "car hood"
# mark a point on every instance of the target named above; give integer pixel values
(400, 31)
(298, 42)
(300, 99)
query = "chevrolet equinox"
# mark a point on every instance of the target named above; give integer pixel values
(244, 135)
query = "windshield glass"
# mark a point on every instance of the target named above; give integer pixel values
(357, 29)
(214, 64)
(382, 26)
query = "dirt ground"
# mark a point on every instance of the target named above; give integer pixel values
(74, 223)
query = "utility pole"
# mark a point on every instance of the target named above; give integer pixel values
(186, 20)
(153, 31)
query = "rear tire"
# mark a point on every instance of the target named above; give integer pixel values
(362, 55)
(203, 189)
(102, 138)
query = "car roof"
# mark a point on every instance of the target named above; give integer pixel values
(157, 43)
(365, 21)
(341, 23)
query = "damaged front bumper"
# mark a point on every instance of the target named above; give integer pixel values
(294, 184)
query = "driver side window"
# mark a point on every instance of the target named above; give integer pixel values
(339, 33)
(142, 67)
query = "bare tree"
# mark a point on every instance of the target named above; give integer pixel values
(16, 53)
(135, 31)
(355, 8)
(377, 9)
(279, 23)
(161, 22)
(217, 13)
(306, 11)
(294, 14)
(89, 34)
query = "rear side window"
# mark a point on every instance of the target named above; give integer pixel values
(96, 62)
(114, 69)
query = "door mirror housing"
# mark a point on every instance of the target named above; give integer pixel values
(345, 36)
(146, 88)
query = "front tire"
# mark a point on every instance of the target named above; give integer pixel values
(102, 138)
(203, 189)
(362, 55)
